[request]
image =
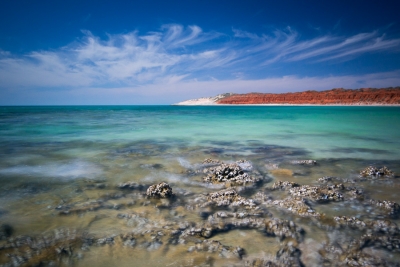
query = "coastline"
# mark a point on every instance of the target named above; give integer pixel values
(334, 97)
(302, 105)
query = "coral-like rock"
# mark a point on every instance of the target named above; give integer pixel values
(296, 206)
(319, 194)
(373, 171)
(229, 197)
(161, 190)
(284, 185)
(392, 208)
(230, 174)
(304, 162)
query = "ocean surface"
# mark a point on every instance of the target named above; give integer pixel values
(61, 169)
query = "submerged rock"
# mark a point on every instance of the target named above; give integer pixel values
(214, 246)
(296, 206)
(388, 242)
(371, 226)
(304, 162)
(131, 186)
(287, 255)
(373, 171)
(319, 193)
(284, 185)
(161, 190)
(390, 207)
(229, 197)
(271, 227)
(211, 161)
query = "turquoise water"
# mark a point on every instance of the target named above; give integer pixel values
(48, 155)
(332, 132)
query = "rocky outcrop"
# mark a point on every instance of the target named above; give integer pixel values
(340, 96)
(230, 174)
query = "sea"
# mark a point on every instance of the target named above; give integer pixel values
(73, 183)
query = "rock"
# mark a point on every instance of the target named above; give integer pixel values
(272, 227)
(161, 190)
(211, 161)
(389, 242)
(327, 179)
(214, 246)
(131, 186)
(350, 221)
(304, 162)
(283, 229)
(334, 255)
(319, 193)
(288, 255)
(373, 171)
(296, 206)
(284, 185)
(79, 208)
(230, 174)
(359, 258)
(229, 197)
(390, 207)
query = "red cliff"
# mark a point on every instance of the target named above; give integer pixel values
(364, 96)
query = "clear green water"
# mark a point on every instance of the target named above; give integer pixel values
(49, 155)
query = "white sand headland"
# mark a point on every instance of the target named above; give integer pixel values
(204, 101)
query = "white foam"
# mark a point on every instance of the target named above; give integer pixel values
(184, 163)
(70, 170)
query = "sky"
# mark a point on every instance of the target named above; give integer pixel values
(136, 52)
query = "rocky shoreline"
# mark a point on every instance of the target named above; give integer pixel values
(240, 201)
(338, 96)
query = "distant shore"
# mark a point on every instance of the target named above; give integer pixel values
(334, 97)
(304, 105)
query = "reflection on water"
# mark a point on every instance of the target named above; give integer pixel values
(62, 202)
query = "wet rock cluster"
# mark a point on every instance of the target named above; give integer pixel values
(46, 250)
(214, 246)
(304, 162)
(131, 186)
(389, 207)
(232, 174)
(284, 185)
(288, 255)
(269, 226)
(370, 226)
(229, 197)
(160, 190)
(297, 206)
(236, 207)
(376, 172)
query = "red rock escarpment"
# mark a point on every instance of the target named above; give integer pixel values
(364, 96)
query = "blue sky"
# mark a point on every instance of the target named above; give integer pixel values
(161, 52)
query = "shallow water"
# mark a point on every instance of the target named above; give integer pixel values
(56, 158)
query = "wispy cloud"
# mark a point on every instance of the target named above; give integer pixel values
(173, 89)
(181, 56)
